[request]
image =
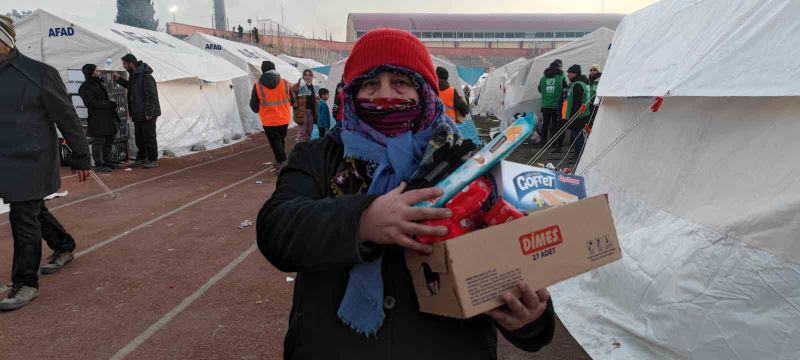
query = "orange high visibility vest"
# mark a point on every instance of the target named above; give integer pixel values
(448, 97)
(275, 107)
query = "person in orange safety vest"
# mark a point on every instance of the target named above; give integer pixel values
(272, 99)
(455, 105)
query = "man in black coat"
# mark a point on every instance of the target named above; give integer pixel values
(103, 118)
(143, 107)
(33, 99)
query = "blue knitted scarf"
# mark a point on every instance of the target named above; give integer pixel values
(392, 160)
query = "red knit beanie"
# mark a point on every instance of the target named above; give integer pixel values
(390, 47)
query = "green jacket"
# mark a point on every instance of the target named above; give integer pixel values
(593, 87)
(551, 88)
(582, 82)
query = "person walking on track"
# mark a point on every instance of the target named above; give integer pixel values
(272, 99)
(144, 108)
(33, 98)
(340, 218)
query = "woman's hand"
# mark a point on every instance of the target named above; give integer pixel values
(392, 220)
(523, 312)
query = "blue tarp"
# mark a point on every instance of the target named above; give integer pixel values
(470, 75)
(469, 131)
(326, 69)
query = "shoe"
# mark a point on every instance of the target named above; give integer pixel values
(116, 165)
(18, 297)
(102, 169)
(150, 165)
(56, 261)
(138, 163)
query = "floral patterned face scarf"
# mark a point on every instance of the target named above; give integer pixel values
(389, 116)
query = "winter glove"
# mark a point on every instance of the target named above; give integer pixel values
(445, 160)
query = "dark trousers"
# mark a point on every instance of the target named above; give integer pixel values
(322, 131)
(146, 140)
(101, 149)
(30, 222)
(549, 122)
(276, 136)
(579, 139)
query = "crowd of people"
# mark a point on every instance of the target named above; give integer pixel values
(568, 100)
(33, 99)
(307, 104)
(340, 215)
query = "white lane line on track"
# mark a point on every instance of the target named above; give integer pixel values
(139, 340)
(148, 180)
(161, 217)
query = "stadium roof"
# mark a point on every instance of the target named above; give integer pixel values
(484, 22)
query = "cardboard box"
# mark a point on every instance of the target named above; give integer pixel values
(464, 277)
(530, 188)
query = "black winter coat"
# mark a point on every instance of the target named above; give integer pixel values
(303, 229)
(142, 93)
(103, 116)
(33, 99)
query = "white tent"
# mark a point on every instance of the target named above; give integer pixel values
(522, 87)
(711, 257)
(304, 63)
(248, 58)
(337, 69)
(477, 90)
(492, 93)
(198, 106)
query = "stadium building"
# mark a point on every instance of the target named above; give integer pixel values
(486, 35)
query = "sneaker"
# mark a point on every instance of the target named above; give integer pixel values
(138, 163)
(56, 261)
(102, 169)
(18, 297)
(150, 165)
(116, 165)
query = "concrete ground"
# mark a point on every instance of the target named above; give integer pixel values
(166, 272)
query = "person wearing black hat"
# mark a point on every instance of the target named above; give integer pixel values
(551, 86)
(455, 106)
(272, 100)
(144, 108)
(102, 120)
(578, 101)
(34, 104)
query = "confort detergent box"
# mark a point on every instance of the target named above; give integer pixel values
(530, 188)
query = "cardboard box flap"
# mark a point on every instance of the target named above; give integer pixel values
(436, 261)
(445, 303)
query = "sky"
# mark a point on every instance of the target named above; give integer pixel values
(317, 17)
